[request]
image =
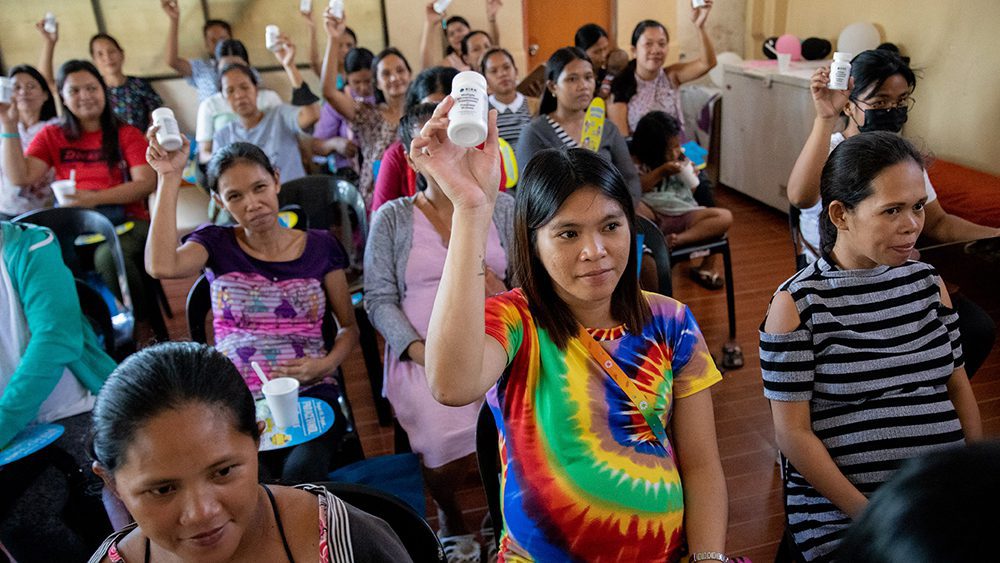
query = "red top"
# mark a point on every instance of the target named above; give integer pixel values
(52, 147)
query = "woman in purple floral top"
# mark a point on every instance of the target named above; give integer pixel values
(132, 99)
(269, 284)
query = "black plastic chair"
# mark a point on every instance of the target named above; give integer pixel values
(96, 311)
(336, 204)
(654, 241)
(488, 456)
(199, 305)
(732, 355)
(68, 223)
(416, 534)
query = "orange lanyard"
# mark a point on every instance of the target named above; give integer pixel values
(618, 376)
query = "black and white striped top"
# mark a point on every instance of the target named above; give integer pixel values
(872, 356)
(511, 118)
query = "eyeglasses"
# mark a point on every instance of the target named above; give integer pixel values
(907, 103)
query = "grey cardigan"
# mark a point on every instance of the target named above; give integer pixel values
(386, 255)
(539, 135)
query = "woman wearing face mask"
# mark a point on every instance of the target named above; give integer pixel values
(333, 137)
(569, 89)
(646, 85)
(132, 99)
(860, 351)
(879, 99)
(175, 436)
(35, 107)
(214, 112)
(582, 370)
(374, 124)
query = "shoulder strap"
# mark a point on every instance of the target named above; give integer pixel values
(618, 376)
(113, 539)
(277, 520)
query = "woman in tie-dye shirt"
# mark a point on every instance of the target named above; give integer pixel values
(588, 471)
(269, 284)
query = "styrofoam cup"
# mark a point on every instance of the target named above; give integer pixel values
(784, 62)
(689, 176)
(63, 188)
(282, 396)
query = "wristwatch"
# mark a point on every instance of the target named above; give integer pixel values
(708, 556)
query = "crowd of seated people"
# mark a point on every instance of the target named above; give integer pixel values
(500, 277)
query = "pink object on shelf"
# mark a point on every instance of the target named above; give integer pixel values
(791, 45)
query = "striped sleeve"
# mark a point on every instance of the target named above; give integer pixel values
(949, 317)
(788, 365)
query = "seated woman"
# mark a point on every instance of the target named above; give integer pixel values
(403, 263)
(474, 44)
(646, 85)
(51, 367)
(395, 176)
(860, 351)
(131, 98)
(104, 155)
(589, 471)
(35, 107)
(270, 285)
(374, 124)
(656, 148)
(514, 109)
(879, 99)
(333, 138)
(214, 112)
(275, 130)
(175, 438)
(569, 90)
(456, 28)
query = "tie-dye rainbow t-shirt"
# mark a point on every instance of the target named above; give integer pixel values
(583, 478)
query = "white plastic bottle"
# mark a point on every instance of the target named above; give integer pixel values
(168, 134)
(441, 5)
(50, 23)
(697, 3)
(840, 71)
(469, 117)
(271, 34)
(337, 8)
(305, 6)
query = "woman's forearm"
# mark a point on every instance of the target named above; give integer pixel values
(427, 44)
(811, 458)
(331, 66)
(803, 182)
(15, 164)
(161, 242)
(345, 341)
(455, 336)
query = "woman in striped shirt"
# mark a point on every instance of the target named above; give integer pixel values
(860, 351)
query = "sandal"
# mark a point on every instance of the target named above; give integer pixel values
(461, 549)
(707, 279)
(732, 356)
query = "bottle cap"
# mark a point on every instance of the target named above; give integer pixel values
(840, 56)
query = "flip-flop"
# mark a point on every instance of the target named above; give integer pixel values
(732, 356)
(707, 279)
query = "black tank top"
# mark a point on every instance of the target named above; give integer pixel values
(277, 520)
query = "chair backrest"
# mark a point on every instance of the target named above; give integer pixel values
(97, 312)
(416, 534)
(488, 455)
(331, 203)
(68, 223)
(199, 303)
(654, 241)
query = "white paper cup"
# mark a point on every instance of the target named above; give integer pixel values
(282, 396)
(6, 90)
(63, 188)
(689, 176)
(784, 62)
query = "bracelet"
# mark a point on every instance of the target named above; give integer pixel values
(708, 556)
(10, 135)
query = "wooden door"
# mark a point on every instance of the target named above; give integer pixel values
(551, 24)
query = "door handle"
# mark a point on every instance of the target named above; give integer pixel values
(533, 49)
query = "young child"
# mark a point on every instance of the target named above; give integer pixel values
(668, 184)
